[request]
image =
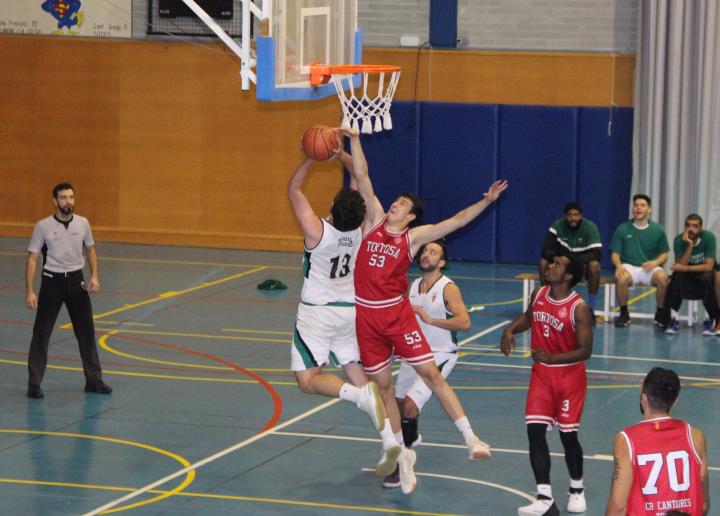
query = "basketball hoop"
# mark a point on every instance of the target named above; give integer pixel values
(363, 111)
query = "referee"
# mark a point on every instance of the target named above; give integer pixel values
(60, 238)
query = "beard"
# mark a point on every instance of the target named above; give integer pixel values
(67, 209)
(427, 268)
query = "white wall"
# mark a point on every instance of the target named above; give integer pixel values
(569, 25)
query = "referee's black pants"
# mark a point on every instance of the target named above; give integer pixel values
(692, 285)
(56, 289)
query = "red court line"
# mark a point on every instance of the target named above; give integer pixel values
(148, 367)
(277, 400)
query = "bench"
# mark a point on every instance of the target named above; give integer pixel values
(607, 311)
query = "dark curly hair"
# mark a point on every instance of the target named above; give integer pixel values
(662, 388)
(348, 210)
(417, 207)
(576, 268)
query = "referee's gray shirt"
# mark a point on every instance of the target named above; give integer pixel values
(64, 246)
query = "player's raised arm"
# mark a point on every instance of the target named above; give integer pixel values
(421, 235)
(359, 172)
(621, 480)
(309, 222)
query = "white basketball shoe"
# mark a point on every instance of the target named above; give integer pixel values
(371, 403)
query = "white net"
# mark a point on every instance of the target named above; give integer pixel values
(365, 111)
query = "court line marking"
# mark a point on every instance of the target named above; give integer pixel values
(188, 480)
(502, 487)
(171, 294)
(198, 335)
(611, 357)
(596, 371)
(246, 265)
(251, 440)
(596, 456)
(215, 496)
(158, 376)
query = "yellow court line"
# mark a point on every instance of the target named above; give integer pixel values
(171, 294)
(222, 497)
(189, 477)
(178, 262)
(269, 332)
(125, 322)
(196, 335)
(102, 342)
(158, 376)
(637, 298)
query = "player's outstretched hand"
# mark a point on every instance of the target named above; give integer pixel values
(347, 131)
(507, 343)
(495, 190)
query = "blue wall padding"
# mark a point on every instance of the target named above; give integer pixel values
(604, 169)
(394, 167)
(450, 153)
(537, 156)
(458, 164)
(443, 23)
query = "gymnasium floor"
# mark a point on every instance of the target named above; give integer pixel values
(198, 359)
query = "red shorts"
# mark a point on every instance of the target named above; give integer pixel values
(386, 332)
(556, 396)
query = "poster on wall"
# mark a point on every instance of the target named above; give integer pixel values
(93, 18)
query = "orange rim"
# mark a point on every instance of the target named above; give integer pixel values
(320, 74)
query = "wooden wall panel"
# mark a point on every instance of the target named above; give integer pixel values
(534, 78)
(164, 147)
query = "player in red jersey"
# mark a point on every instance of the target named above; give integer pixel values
(386, 323)
(561, 341)
(661, 462)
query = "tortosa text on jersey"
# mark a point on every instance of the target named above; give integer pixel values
(379, 247)
(545, 318)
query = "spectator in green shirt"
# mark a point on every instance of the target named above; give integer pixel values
(575, 237)
(692, 277)
(639, 249)
(717, 295)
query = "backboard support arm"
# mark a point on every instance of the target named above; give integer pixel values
(243, 51)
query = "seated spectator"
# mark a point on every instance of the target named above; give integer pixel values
(717, 295)
(692, 277)
(639, 249)
(577, 238)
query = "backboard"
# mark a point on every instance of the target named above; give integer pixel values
(303, 32)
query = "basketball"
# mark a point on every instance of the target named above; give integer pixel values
(319, 143)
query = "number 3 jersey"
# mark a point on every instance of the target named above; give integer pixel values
(666, 468)
(553, 322)
(382, 265)
(328, 267)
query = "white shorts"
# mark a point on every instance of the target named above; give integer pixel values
(321, 331)
(639, 276)
(410, 384)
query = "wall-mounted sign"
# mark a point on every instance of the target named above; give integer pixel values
(93, 18)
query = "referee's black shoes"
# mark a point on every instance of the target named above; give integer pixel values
(34, 391)
(98, 387)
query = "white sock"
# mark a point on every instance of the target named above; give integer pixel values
(399, 438)
(463, 425)
(674, 314)
(350, 393)
(545, 490)
(576, 484)
(387, 436)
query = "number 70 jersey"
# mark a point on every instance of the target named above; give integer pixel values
(328, 267)
(666, 468)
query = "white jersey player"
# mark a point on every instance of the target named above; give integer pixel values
(441, 313)
(325, 325)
